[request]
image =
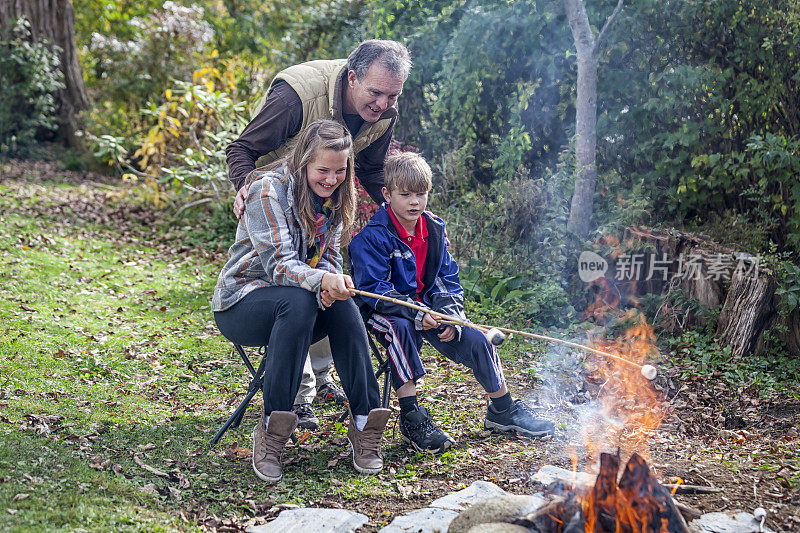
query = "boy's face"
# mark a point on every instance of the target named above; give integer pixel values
(407, 206)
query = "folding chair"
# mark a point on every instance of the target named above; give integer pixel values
(255, 386)
(383, 368)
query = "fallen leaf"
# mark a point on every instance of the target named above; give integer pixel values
(150, 488)
(20, 496)
(138, 460)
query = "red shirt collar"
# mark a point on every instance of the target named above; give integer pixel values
(420, 231)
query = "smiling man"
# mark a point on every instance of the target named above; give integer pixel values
(359, 92)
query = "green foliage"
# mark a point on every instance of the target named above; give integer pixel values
(510, 241)
(702, 357)
(186, 148)
(788, 289)
(135, 65)
(183, 153)
(29, 76)
(707, 119)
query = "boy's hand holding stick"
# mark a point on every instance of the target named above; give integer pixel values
(496, 336)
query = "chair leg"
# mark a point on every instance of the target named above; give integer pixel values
(385, 395)
(383, 368)
(256, 384)
(236, 418)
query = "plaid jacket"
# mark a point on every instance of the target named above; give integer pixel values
(270, 247)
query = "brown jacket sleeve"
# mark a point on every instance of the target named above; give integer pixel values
(278, 119)
(369, 164)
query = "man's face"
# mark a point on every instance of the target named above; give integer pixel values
(372, 95)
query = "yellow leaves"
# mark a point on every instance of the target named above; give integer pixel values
(168, 94)
(133, 178)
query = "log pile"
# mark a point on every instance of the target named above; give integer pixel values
(711, 276)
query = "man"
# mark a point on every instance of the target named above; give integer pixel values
(360, 93)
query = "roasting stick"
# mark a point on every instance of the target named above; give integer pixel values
(552, 339)
(647, 370)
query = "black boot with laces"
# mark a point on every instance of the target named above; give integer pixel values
(306, 419)
(419, 430)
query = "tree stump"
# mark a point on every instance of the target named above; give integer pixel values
(747, 308)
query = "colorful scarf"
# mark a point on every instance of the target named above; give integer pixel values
(324, 219)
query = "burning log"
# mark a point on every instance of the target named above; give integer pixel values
(602, 505)
(637, 504)
(651, 505)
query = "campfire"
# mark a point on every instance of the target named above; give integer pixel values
(628, 412)
(638, 503)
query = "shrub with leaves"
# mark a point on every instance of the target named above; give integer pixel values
(29, 77)
(183, 153)
(159, 46)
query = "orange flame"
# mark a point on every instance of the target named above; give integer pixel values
(630, 414)
(631, 410)
(678, 483)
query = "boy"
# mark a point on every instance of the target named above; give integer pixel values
(402, 253)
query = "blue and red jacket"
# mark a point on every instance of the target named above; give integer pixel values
(381, 263)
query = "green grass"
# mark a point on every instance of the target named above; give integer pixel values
(109, 360)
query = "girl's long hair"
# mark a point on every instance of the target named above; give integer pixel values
(321, 135)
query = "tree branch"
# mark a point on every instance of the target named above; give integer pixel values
(599, 41)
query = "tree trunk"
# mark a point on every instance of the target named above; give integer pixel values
(580, 212)
(747, 308)
(54, 20)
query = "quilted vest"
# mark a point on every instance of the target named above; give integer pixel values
(319, 86)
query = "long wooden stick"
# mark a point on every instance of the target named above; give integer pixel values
(459, 322)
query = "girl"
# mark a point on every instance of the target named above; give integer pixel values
(283, 287)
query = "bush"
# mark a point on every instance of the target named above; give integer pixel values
(163, 45)
(183, 153)
(29, 76)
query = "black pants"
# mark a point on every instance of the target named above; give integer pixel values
(288, 321)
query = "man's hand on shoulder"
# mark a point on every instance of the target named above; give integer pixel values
(238, 203)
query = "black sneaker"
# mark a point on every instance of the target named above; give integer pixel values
(306, 418)
(519, 417)
(330, 392)
(419, 430)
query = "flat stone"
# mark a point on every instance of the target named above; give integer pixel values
(428, 520)
(722, 523)
(498, 527)
(549, 473)
(313, 519)
(506, 508)
(458, 501)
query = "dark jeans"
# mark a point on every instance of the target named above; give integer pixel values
(288, 321)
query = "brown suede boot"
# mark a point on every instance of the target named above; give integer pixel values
(366, 444)
(268, 444)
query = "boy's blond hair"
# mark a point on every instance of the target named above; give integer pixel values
(407, 171)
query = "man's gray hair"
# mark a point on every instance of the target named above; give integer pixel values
(392, 55)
